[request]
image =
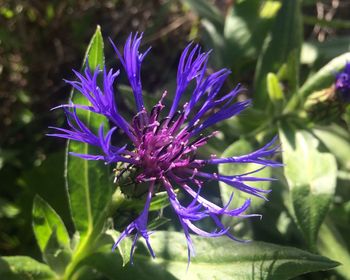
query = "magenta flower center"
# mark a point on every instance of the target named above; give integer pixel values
(162, 145)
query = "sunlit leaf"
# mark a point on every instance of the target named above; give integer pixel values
(45, 222)
(333, 246)
(24, 268)
(51, 235)
(311, 177)
(124, 247)
(216, 258)
(337, 141)
(88, 181)
(57, 254)
(238, 148)
(274, 88)
(246, 26)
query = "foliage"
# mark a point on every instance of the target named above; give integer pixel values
(305, 225)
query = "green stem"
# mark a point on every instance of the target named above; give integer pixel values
(82, 251)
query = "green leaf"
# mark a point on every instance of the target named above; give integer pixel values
(274, 88)
(333, 246)
(213, 23)
(214, 39)
(94, 52)
(321, 80)
(246, 26)
(281, 46)
(110, 265)
(124, 247)
(269, 9)
(51, 235)
(206, 10)
(241, 227)
(88, 181)
(24, 268)
(57, 255)
(239, 40)
(7, 209)
(89, 184)
(238, 148)
(250, 124)
(216, 258)
(241, 20)
(337, 141)
(311, 177)
(46, 222)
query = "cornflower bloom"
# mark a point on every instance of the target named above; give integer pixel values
(342, 83)
(162, 144)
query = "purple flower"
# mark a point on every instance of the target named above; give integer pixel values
(342, 83)
(162, 144)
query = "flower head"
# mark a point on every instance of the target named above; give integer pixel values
(342, 83)
(162, 143)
